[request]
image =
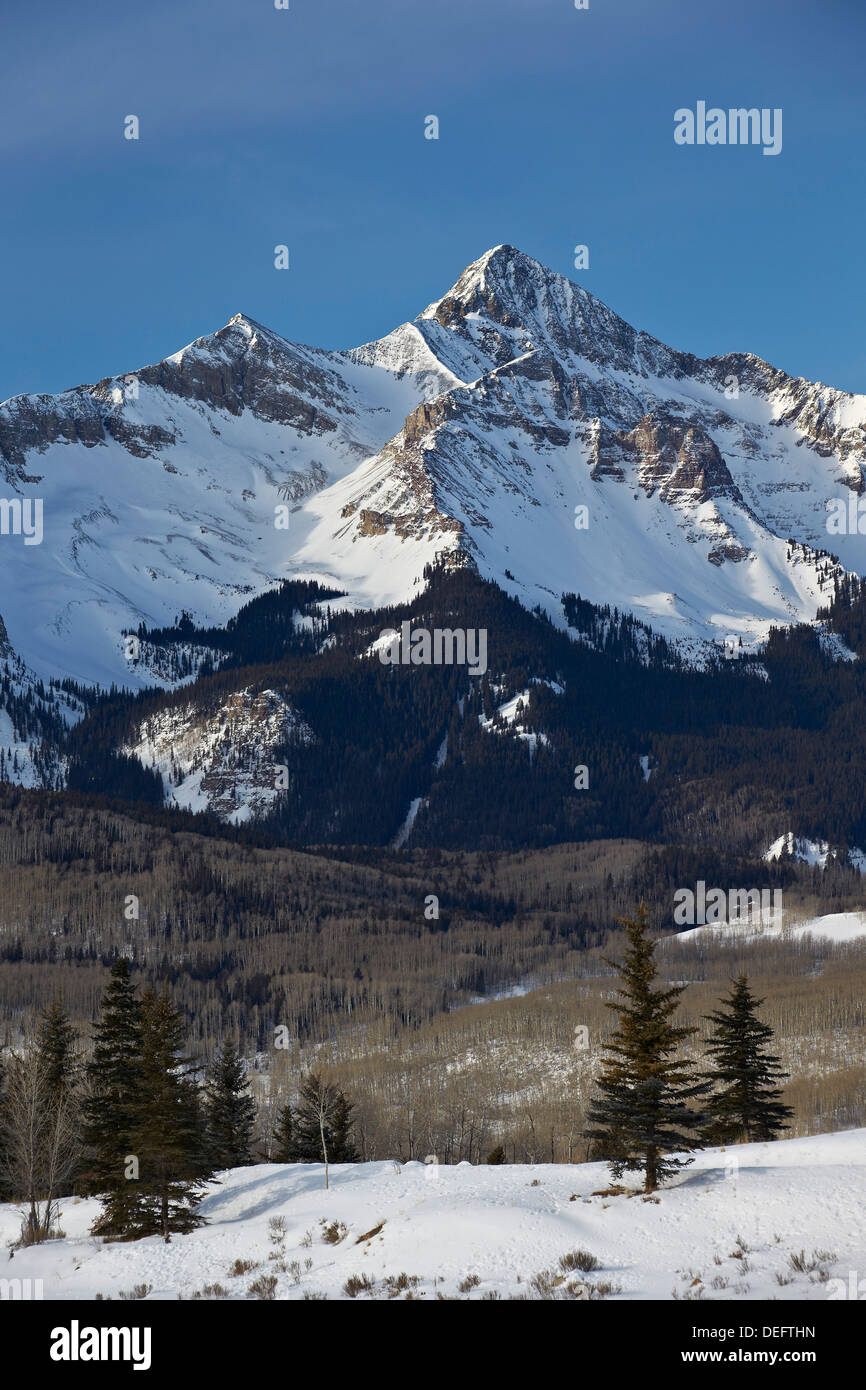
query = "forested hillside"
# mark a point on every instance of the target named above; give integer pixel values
(734, 754)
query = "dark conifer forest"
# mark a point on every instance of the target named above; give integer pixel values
(602, 695)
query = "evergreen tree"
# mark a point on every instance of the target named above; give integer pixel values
(309, 1120)
(284, 1136)
(110, 1108)
(642, 1115)
(169, 1135)
(320, 1127)
(230, 1111)
(58, 1065)
(341, 1147)
(56, 1049)
(749, 1103)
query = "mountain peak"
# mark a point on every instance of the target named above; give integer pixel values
(507, 304)
(242, 320)
(495, 262)
(250, 329)
(236, 338)
(502, 267)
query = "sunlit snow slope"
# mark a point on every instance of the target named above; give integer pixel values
(496, 1227)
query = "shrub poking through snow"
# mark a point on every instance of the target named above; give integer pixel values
(358, 1283)
(578, 1259)
(264, 1287)
(138, 1291)
(395, 1284)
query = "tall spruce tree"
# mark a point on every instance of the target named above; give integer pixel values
(111, 1105)
(56, 1049)
(230, 1110)
(642, 1116)
(748, 1102)
(168, 1135)
(342, 1122)
(284, 1136)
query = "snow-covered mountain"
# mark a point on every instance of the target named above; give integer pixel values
(160, 488)
(472, 434)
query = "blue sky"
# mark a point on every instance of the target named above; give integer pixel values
(306, 127)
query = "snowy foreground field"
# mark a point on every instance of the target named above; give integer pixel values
(499, 1225)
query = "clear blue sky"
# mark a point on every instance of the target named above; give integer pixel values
(306, 127)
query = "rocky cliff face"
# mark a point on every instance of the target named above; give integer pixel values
(561, 404)
(223, 760)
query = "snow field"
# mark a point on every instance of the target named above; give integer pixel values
(736, 1217)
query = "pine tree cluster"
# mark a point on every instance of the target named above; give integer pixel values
(643, 1118)
(136, 1126)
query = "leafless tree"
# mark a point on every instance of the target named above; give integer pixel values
(42, 1147)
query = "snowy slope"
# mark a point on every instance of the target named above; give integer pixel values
(503, 1225)
(32, 717)
(472, 433)
(833, 926)
(159, 489)
(812, 852)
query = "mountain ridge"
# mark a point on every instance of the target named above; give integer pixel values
(472, 433)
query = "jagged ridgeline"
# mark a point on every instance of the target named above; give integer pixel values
(517, 424)
(302, 730)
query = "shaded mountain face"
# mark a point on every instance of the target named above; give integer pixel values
(517, 426)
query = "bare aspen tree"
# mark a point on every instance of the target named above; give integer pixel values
(42, 1147)
(322, 1113)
